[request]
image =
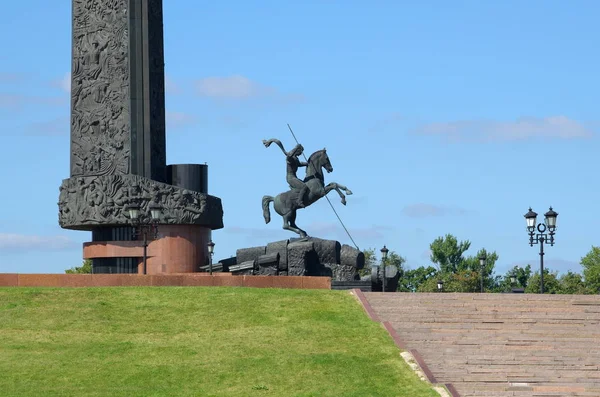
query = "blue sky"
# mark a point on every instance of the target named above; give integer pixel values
(442, 117)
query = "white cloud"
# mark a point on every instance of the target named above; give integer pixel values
(240, 87)
(178, 119)
(65, 83)
(422, 210)
(22, 242)
(557, 127)
(230, 87)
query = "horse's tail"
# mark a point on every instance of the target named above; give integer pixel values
(265, 204)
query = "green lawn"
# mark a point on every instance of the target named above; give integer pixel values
(187, 341)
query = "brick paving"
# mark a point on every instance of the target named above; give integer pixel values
(501, 344)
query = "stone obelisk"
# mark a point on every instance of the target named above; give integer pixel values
(118, 141)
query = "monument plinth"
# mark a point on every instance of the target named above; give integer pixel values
(118, 139)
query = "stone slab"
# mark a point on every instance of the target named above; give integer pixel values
(258, 281)
(9, 280)
(316, 283)
(40, 280)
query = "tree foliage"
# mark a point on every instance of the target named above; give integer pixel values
(447, 253)
(551, 283)
(591, 270)
(572, 283)
(85, 268)
(521, 275)
(412, 279)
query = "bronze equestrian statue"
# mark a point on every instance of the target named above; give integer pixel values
(302, 193)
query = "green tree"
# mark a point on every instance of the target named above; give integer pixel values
(370, 260)
(430, 285)
(521, 275)
(447, 253)
(572, 283)
(551, 284)
(412, 279)
(461, 281)
(591, 270)
(85, 268)
(471, 263)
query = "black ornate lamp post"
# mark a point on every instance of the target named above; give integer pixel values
(482, 263)
(143, 224)
(384, 253)
(541, 236)
(440, 285)
(211, 250)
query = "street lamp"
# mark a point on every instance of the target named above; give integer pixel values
(482, 262)
(211, 250)
(440, 285)
(541, 236)
(143, 224)
(384, 253)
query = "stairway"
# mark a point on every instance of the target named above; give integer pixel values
(501, 344)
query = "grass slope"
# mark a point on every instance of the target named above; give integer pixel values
(172, 341)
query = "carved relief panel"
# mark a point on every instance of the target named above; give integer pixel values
(100, 88)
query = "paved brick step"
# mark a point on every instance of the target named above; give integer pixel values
(493, 341)
(482, 313)
(451, 316)
(523, 361)
(520, 374)
(523, 356)
(496, 306)
(497, 302)
(502, 336)
(506, 332)
(447, 297)
(510, 327)
(501, 344)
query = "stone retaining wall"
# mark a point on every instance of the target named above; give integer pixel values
(179, 280)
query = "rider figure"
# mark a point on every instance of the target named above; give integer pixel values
(293, 163)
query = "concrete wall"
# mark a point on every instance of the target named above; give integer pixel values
(179, 280)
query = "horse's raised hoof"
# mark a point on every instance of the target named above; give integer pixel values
(348, 192)
(344, 201)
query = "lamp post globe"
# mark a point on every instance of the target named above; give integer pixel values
(530, 218)
(384, 254)
(211, 250)
(550, 219)
(134, 212)
(155, 211)
(482, 263)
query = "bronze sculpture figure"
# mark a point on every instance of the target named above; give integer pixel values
(302, 193)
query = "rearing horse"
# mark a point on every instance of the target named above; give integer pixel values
(285, 203)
